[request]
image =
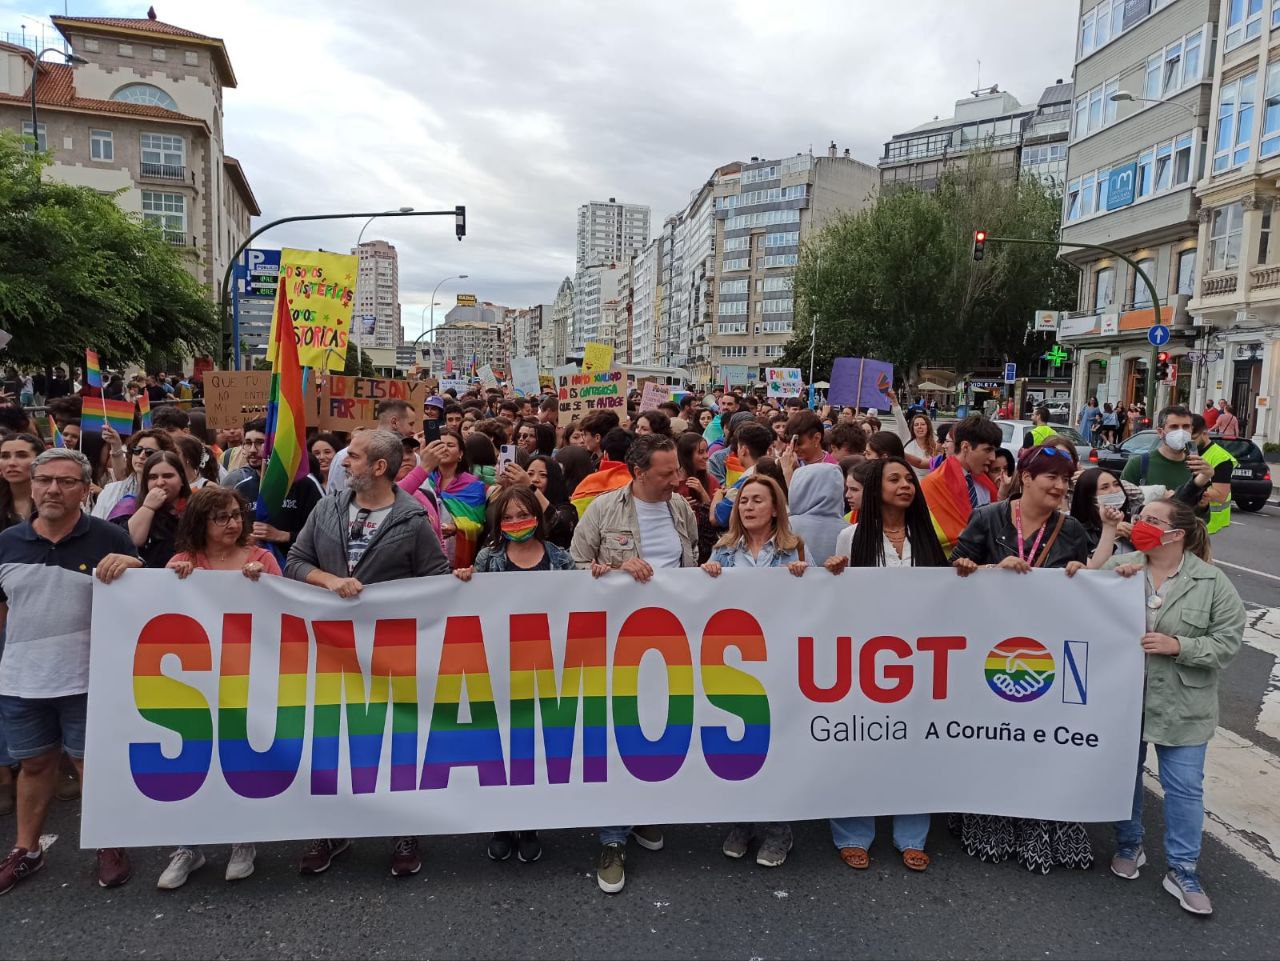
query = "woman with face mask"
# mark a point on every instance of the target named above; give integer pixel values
(1195, 626)
(517, 541)
(1098, 491)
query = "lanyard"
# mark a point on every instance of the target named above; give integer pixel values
(1017, 526)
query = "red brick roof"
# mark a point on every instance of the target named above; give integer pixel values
(57, 89)
(135, 26)
(139, 23)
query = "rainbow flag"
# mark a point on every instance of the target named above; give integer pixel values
(144, 410)
(98, 411)
(732, 470)
(286, 424)
(58, 439)
(464, 498)
(611, 475)
(92, 369)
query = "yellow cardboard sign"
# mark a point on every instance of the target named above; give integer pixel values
(596, 357)
(319, 290)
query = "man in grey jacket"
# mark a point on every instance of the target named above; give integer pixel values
(369, 533)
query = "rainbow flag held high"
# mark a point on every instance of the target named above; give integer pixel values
(144, 410)
(286, 424)
(98, 411)
(92, 369)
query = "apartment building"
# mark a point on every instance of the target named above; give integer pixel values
(1236, 303)
(376, 318)
(472, 333)
(554, 343)
(609, 233)
(685, 339)
(143, 116)
(524, 329)
(642, 347)
(1143, 84)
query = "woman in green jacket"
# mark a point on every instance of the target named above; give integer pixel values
(1195, 625)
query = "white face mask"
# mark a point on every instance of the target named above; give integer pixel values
(1178, 439)
(1113, 499)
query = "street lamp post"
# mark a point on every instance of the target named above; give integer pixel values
(71, 60)
(359, 241)
(1124, 96)
(229, 350)
(432, 307)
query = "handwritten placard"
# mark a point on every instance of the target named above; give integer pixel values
(783, 381)
(319, 291)
(350, 402)
(580, 394)
(596, 357)
(653, 395)
(233, 396)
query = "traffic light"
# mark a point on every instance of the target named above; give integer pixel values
(979, 244)
(1162, 366)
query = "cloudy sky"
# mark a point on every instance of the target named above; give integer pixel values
(524, 110)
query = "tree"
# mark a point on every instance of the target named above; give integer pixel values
(897, 281)
(362, 368)
(76, 271)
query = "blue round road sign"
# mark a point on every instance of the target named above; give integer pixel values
(1158, 335)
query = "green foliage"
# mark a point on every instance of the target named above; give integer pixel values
(76, 272)
(363, 369)
(897, 281)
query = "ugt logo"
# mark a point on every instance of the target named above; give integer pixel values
(1020, 669)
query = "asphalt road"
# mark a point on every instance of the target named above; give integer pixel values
(688, 900)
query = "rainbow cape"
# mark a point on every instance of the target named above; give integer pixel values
(611, 475)
(286, 423)
(92, 369)
(947, 495)
(144, 410)
(464, 499)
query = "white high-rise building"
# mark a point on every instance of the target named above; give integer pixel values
(376, 317)
(609, 233)
(554, 344)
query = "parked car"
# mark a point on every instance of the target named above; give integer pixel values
(1014, 432)
(1250, 482)
(1059, 412)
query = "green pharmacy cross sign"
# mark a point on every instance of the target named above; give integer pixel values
(1056, 356)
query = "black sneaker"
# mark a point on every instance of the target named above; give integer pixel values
(500, 845)
(528, 846)
(320, 854)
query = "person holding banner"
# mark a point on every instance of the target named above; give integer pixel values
(636, 529)
(369, 533)
(893, 530)
(152, 518)
(1028, 532)
(1195, 626)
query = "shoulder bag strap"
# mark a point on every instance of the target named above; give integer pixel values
(1044, 551)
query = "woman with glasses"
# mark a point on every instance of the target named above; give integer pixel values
(1195, 626)
(1027, 532)
(213, 535)
(517, 541)
(151, 518)
(141, 446)
(893, 530)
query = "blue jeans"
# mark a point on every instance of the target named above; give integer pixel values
(1182, 777)
(615, 835)
(909, 831)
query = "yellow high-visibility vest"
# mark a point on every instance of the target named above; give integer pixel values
(1219, 514)
(1041, 434)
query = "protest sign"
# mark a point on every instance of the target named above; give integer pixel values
(546, 380)
(350, 402)
(582, 393)
(455, 384)
(654, 394)
(487, 377)
(783, 382)
(564, 370)
(596, 357)
(860, 382)
(319, 291)
(232, 397)
(427, 706)
(524, 376)
(734, 375)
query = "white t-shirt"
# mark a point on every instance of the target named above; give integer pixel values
(844, 547)
(358, 541)
(659, 542)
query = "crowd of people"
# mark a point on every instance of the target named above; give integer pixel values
(484, 482)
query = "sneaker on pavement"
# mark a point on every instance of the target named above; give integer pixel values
(1127, 861)
(528, 847)
(404, 858)
(320, 854)
(647, 837)
(500, 845)
(775, 846)
(611, 868)
(17, 867)
(181, 863)
(113, 867)
(240, 864)
(737, 841)
(1185, 886)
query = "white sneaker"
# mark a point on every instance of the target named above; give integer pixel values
(181, 864)
(240, 866)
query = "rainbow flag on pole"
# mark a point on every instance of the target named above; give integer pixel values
(98, 411)
(144, 410)
(92, 369)
(286, 424)
(58, 439)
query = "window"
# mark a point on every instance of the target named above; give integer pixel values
(1088, 33)
(157, 53)
(1172, 68)
(1187, 271)
(774, 350)
(1275, 14)
(163, 155)
(776, 283)
(42, 140)
(1224, 237)
(100, 145)
(737, 350)
(191, 58)
(1164, 167)
(91, 45)
(1264, 233)
(1142, 296)
(1073, 200)
(1095, 109)
(1235, 121)
(1271, 111)
(1244, 21)
(1192, 59)
(733, 286)
(1182, 160)
(1104, 288)
(737, 243)
(732, 327)
(145, 93)
(788, 239)
(729, 308)
(743, 264)
(780, 260)
(780, 306)
(776, 327)
(168, 212)
(126, 50)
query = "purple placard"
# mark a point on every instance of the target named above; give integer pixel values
(860, 382)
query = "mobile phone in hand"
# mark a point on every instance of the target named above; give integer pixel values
(506, 455)
(430, 430)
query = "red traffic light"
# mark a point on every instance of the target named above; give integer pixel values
(1162, 357)
(979, 244)
(979, 235)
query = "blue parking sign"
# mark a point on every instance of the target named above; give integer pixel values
(1010, 373)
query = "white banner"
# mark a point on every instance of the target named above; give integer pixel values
(543, 700)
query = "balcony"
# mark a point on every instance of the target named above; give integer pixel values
(173, 173)
(1220, 286)
(175, 237)
(1261, 278)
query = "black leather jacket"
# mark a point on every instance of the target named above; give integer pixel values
(989, 538)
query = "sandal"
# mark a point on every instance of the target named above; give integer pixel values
(915, 860)
(856, 858)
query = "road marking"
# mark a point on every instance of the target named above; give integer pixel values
(1241, 781)
(1248, 570)
(1263, 633)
